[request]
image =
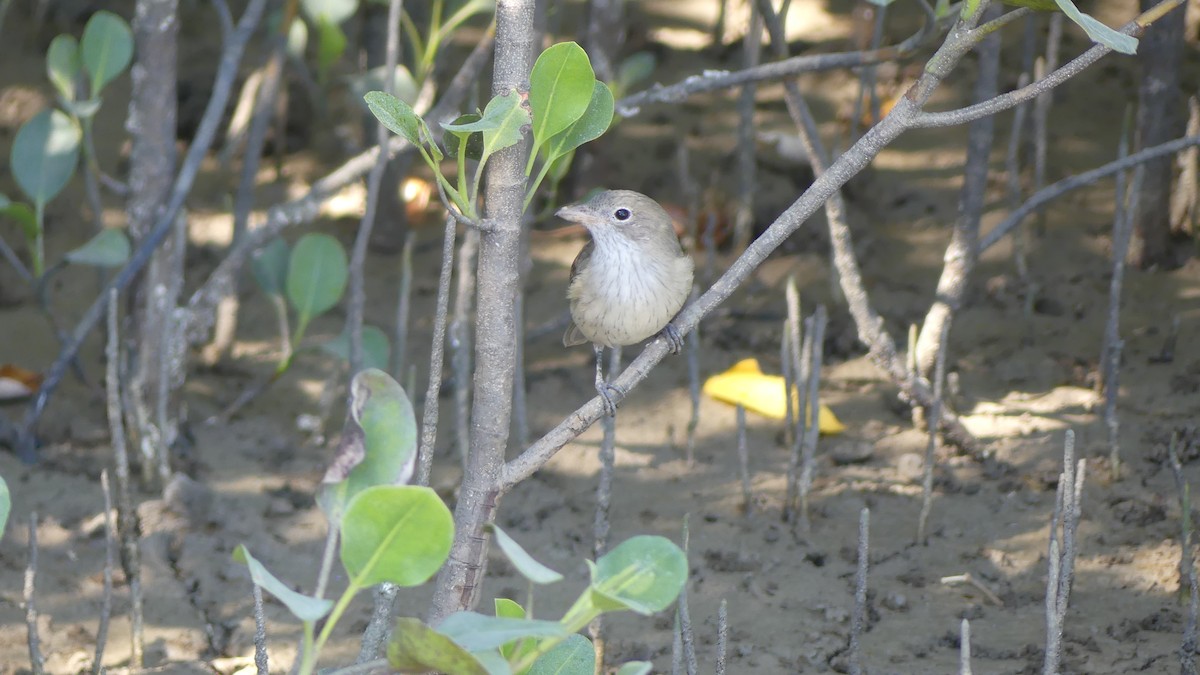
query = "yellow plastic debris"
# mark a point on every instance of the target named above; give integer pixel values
(745, 383)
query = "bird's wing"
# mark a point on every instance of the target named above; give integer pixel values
(573, 336)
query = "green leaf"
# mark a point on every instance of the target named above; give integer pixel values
(509, 609)
(1097, 31)
(270, 266)
(476, 632)
(379, 442)
(501, 124)
(396, 115)
(83, 109)
(404, 87)
(106, 49)
(573, 656)
(417, 648)
(595, 121)
(63, 64)
(635, 668)
(333, 11)
(44, 155)
(304, 607)
(454, 138)
(377, 350)
(525, 564)
(109, 248)
(316, 276)
(331, 44)
(21, 213)
(400, 534)
(560, 88)
(643, 574)
(5, 505)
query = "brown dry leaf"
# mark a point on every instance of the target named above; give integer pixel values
(17, 383)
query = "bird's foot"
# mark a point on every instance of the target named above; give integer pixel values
(673, 337)
(606, 391)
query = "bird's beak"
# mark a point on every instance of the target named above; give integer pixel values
(576, 213)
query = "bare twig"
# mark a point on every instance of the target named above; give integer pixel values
(36, 662)
(686, 635)
(935, 413)
(601, 523)
(110, 545)
(743, 452)
(796, 359)
(972, 580)
(693, 368)
(375, 636)
(460, 341)
(746, 146)
(127, 520)
(964, 648)
(1056, 190)
(811, 417)
(1062, 551)
(1187, 563)
(722, 637)
(858, 619)
(1041, 107)
(1012, 164)
(403, 306)
(429, 414)
(1122, 233)
(261, 663)
(1122, 216)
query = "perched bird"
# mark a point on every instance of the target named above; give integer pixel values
(629, 281)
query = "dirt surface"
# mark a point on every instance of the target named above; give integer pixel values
(1024, 369)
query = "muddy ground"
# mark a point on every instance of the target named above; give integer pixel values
(1023, 378)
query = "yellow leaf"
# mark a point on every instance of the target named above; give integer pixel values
(745, 383)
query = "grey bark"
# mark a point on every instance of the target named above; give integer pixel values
(496, 330)
(1159, 119)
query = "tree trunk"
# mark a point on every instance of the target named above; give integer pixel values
(1159, 119)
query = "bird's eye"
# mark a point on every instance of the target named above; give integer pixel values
(622, 214)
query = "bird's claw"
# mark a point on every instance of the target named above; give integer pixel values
(606, 396)
(674, 339)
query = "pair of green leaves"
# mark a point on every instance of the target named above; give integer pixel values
(312, 276)
(644, 574)
(105, 51)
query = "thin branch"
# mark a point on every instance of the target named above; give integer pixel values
(743, 453)
(261, 663)
(601, 523)
(1055, 190)
(110, 545)
(1187, 563)
(686, 635)
(811, 417)
(964, 648)
(778, 70)
(36, 662)
(403, 308)
(429, 415)
(950, 118)
(935, 413)
(722, 637)
(858, 620)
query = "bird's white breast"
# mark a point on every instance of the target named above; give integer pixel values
(626, 296)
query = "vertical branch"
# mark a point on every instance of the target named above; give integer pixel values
(1120, 243)
(403, 309)
(1185, 200)
(429, 415)
(963, 250)
(964, 648)
(601, 524)
(743, 452)
(1041, 107)
(110, 545)
(460, 340)
(358, 259)
(858, 620)
(693, 368)
(935, 414)
(1012, 164)
(495, 352)
(1123, 230)
(1187, 564)
(261, 664)
(36, 662)
(747, 174)
(520, 394)
(686, 635)
(127, 520)
(795, 363)
(812, 416)
(722, 637)
(1062, 550)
